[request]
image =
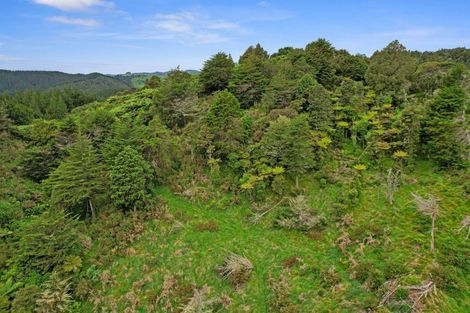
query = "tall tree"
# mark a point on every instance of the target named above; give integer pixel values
(286, 143)
(176, 98)
(441, 127)
(221, 122)
(250, 78)
(316, 102)
(129, 178)
(216, 73)
(78, 179)
(320, 55)
(390, 70)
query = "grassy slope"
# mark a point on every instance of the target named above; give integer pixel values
(175, 247)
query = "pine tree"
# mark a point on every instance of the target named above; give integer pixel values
(79, 178)
(216, 73)
(287, 143)
(441, 127)
(129, 178)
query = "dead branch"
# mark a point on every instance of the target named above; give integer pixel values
(428, 207)
(465, 224)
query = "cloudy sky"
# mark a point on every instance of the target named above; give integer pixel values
(116, 36)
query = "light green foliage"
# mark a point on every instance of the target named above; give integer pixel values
(129, 180)
(79, 178)
(298, 122)
(216, 73)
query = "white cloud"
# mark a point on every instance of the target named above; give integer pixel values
(73, 21)
(190, 27)
(264, 4)
(8, 58)
(223, 25)
(71, 5)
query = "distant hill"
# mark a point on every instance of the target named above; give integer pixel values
(95, 83)
(137, 80)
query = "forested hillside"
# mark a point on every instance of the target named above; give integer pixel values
(307, 180)
(97, 84)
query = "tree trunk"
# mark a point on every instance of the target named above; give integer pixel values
(433, 220)
(92, 209)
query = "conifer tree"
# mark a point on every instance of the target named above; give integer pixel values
(220, 120)
(441, 127)
(79, 178)
(287, 143)
(129, 177)
(249, 79)
(216, 73)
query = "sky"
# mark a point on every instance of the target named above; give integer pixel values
(118, 36)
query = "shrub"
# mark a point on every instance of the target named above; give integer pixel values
(299, 216)
(236, 269)
(129, 179)
(55, 297)
(25, 299)
(45, 241)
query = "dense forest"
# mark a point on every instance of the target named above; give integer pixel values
(307, 180)
(96, 84)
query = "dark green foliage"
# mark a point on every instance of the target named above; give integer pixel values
(176, 98)
(5, 121)
(459, 55)
(319, 108)
(250, 78)
(441, 128)
(350, 66)
(39, 161)
(98, 126)
(216, 73)
(223, 125)
(232, 141)
(129, 180)
(153, 82)
(45, 241)
(94, 83)
(390, 70)
(23, 107)
(430, 76)
(320, 55)
(287, 143)
(78, 179)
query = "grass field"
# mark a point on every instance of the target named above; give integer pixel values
(178, 251)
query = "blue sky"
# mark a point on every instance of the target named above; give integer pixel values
(116, 36)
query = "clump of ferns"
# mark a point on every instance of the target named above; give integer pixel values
(236, 269)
